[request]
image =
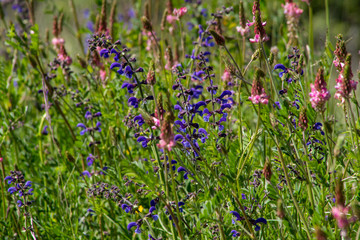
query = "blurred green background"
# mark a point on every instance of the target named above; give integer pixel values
(344, 17)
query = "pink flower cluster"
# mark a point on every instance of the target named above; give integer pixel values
(262, 98)
(260, 34)
(339, 214)
(258, 94)
(177, 14)
(226, 76)
(344, 87)
(243, 30)
(319, 93)
(292, 10)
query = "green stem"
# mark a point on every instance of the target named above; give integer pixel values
(311, 32)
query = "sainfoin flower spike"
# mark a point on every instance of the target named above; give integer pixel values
(260, 34)
(344, 83)
(319, 93)
(167, 136)
(258, 94)
(292, 13)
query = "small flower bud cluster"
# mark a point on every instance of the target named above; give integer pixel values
(319, 93)
(292, 13)
(260, 34)
(344, 83)
(243, 28)
(258, 94)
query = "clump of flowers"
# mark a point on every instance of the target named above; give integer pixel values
(292, 13)
(258, 94)
(260, 34)
(344, 83)
(21, 191)
(340, 53)
(167, 134)
(243, 28)
(319, 93)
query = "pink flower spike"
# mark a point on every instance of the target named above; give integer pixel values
(319, 93)
(339, 214)
(180, 12)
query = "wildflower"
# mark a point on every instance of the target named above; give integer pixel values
(340, 53)
(235, 233)
(133, 101)
(44, 131)
(167, 135)
(86, 173)
(292, 13)
(344, 83)
(267, 170)
(144, 141)
(319, 93)
(180, 12)
(243, 29)
(12, 190)
(10, 179)
(135, 224)
(259, 30)
(258, 94)
(90, 160)
(151, 80)
(252, 221)
(303, 121)
(182, 169)
(139, 120)
(19, 203)
(126, 208)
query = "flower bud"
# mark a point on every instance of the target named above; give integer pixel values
(303, 121)
(70, 157)
(339, 194)
(267, 170)
(150, 79)
(219, 39)
(280, 209)
(320, 234)
(146, 23)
